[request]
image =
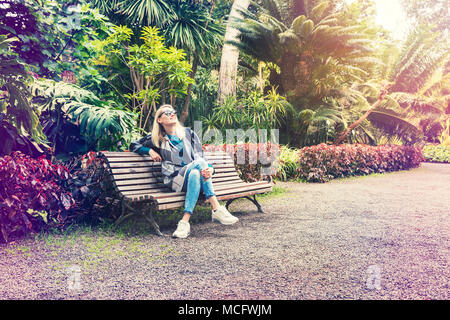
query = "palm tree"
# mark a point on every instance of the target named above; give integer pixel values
(198, 34)
(419, 94)
(230, 53)
(319, 54)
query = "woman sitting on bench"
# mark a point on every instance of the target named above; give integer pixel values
(183, 165)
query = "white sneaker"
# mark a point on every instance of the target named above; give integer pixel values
(223, 216)
(183, 230)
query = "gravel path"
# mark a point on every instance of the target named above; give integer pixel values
(375, 237)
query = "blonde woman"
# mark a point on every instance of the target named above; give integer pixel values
(183, 165)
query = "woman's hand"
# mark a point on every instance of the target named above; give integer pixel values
(154, 155)
(207, 173)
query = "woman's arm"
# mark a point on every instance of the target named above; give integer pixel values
(197, 148)
(143, 145)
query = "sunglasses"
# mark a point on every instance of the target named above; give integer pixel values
(168, 113)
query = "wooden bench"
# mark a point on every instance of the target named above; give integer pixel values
(138, 184)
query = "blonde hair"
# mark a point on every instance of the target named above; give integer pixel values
(158, 129)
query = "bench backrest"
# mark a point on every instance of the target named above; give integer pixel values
(138, 177)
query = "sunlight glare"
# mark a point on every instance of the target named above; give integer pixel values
(391, 15)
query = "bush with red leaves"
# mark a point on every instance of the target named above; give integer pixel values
(31, 195)
(321, 163)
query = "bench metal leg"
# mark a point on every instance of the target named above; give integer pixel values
(124, 214)
(255, 202)
(146, 211)
(148, 215)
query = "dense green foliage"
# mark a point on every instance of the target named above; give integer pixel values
(439, 153)
(331, 64)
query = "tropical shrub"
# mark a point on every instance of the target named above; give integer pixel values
(439, 153)
(76, 120)
(53, 35)
(91, 187)
(256, 111)
(323, 162)
(31, 195)
(156, 70)
(288, 163)
(14, 93)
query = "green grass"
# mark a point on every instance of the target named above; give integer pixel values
(276, 191)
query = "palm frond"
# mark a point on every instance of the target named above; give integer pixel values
(391, 123)
(146, 12)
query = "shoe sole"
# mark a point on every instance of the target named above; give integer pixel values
(224, 223)
(174, 236)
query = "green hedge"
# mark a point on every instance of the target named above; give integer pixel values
(439, 153)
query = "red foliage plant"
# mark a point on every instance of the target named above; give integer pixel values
(321, 163)
(31, 195)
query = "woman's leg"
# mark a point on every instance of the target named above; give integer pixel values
(193, 187)
(208, 191)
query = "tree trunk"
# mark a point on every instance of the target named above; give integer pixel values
(187, 102)
(230, 54)
(358, 122)
(383, 91)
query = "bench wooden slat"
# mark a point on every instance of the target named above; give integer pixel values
(129, 161)
(227, 196)
(141, 187)
(139, 158)
(221, 183)
(147, 186)
(155, 169)
(132, 159)
(128, 153)
(150, 164)
(157, 193)
(150, 192)
(217, 192)
(118, 177)
(121, 176)
(157, 165)
(134, 182)
(174, 205)
(153, 180)
(218, 157)
(219, 179)
(135, 170)
(156, 196)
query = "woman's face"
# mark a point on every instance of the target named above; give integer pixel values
(165, 119)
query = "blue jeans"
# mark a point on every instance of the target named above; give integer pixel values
(194, 182)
